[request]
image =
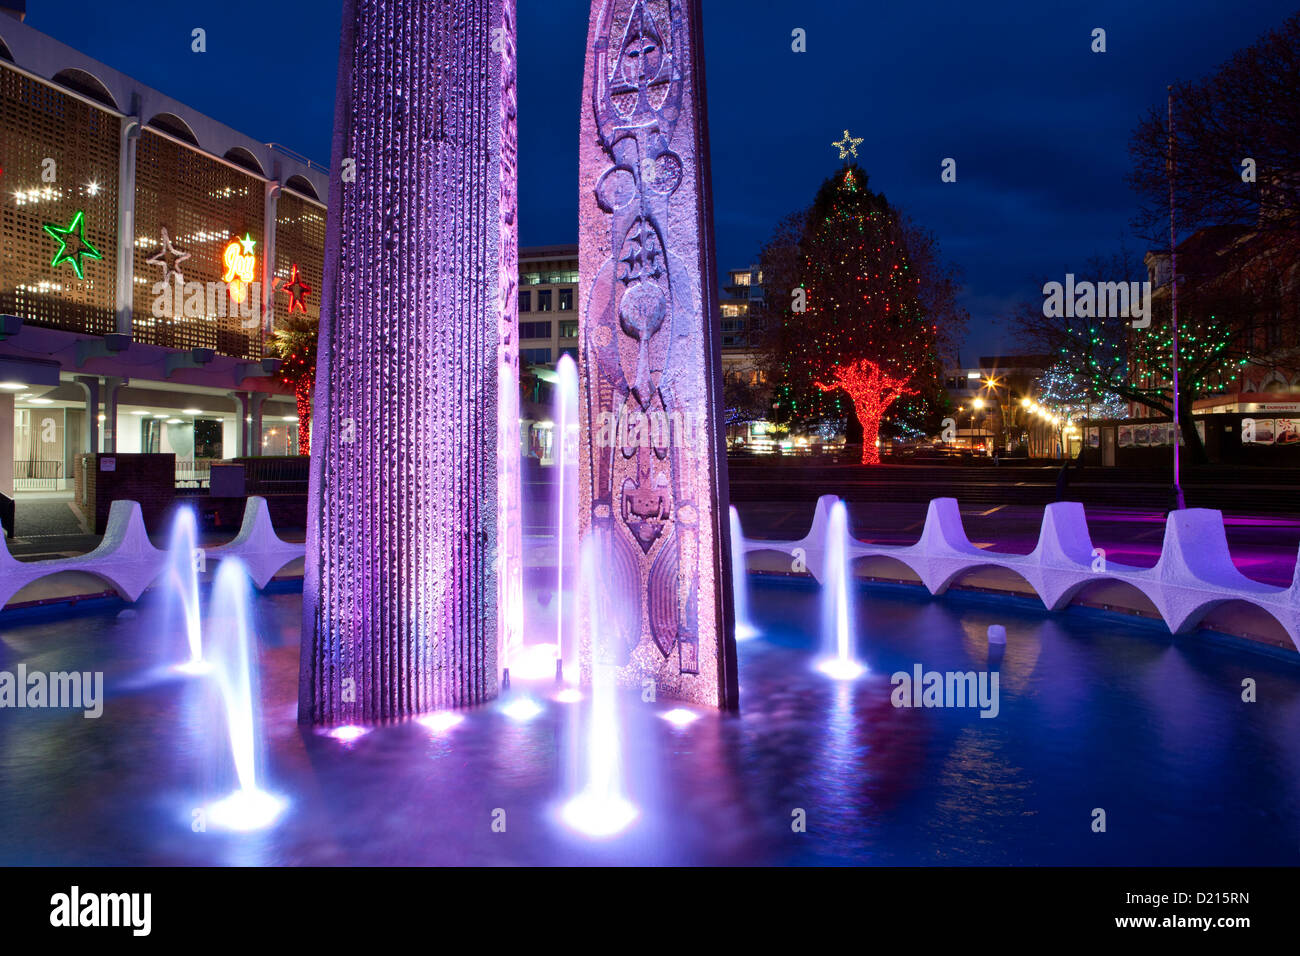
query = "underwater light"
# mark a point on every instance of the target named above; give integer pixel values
(680, 716)
(598, 817)
(440, 720)
(246, 810)
(522, 709)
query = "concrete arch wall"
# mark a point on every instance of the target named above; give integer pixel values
(88, 84)
(1194, 574)
(129, 563)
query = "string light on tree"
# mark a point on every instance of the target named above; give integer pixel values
(865, 333)
(295, 343)
(872, 391)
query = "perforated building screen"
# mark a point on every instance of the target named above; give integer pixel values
(205, 205)
(60, 161)
(300, 241)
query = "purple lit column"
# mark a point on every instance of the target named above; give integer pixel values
(412, 582)
(653, 484)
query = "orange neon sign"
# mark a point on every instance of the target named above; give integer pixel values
(240, 263)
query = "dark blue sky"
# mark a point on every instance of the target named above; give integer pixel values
(1038, 124)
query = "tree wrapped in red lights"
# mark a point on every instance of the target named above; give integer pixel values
(872, 390)
(295, 343)
(858, 304)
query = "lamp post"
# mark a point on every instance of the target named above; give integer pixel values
(1024, 406)
(977, 405)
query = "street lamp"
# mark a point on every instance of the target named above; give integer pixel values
(976, 406)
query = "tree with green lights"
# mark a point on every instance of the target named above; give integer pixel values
(858, 306)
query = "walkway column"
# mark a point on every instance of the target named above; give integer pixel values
(653, 501)
(126, 223)
(255, 402)
(7, 443)
(90, 430)
(112, 385)
(410, 583)
(241, 423)
(269, 206)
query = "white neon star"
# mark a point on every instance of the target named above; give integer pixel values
(168, 258)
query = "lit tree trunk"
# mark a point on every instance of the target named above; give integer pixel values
(872, 390)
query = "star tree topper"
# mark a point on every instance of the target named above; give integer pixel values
(848, 146)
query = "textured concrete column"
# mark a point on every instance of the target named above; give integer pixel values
(402, 600)
(653, 483)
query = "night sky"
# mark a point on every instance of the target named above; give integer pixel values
(1038, 123)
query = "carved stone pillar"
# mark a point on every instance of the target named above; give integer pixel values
(417, 375)
(653, 497)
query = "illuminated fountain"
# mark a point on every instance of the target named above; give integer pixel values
(599, 807)
(235, 673)
(739, 580)
(837, 600)
(566, 506)
(182, 577)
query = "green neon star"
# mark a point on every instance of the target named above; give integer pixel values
(246, 245)
(75, 228)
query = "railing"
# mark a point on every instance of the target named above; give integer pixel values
(38, 475)
(269, 476)
(194, 472)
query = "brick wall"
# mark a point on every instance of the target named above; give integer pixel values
(102, 479)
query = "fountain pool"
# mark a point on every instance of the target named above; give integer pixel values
(1096, 711)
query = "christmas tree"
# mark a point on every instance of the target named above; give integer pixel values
(295, 343)
(855, 323)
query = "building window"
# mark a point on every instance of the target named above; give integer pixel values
(534, 330)
(568, 328)
(544, 300)
(525, 301)
(207, 438)
(535, 356)
(566, 300)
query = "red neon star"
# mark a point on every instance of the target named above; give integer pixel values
(298, 291)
